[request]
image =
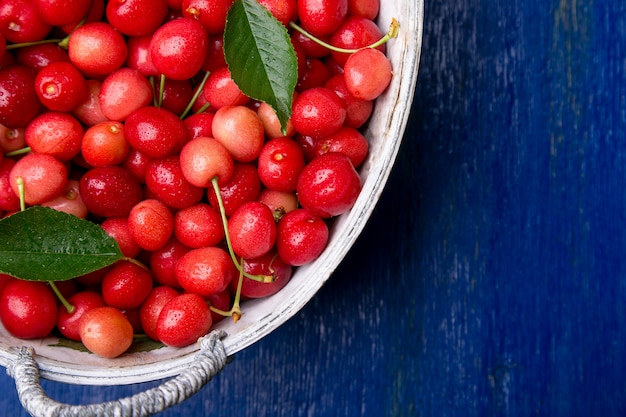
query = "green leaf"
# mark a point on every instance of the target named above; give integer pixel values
(43, 244)
(260, 56)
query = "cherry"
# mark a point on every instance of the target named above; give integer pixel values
(205, 271)
(123, 92)
(268, 264)
(318, 112)
(106, 331)
(137, 164)
(252, 230)
(280, 162)
(117, 228)
(151, 223)
(126, 285)
(151, 309)
(11, 139)
(244, 185)
(283, 10)
(347, 141)
(95, 14)
(220, 301)
(163, 262)
(89, 111)
(315, 74)
(155, 132)
(41, 55)
(104, 144)
(271, 124)
(183, 320)
(110, 191)
(203, 159)
(19, 102)
(20, 22)
(69, 201)
(198, 225)
(240, 130)
(311, 48)
(57, 13)
(9, 200)
(97, 49)
(214, 58)
(139, 55)
(358, 110)
(322, 17)
(301, 237)
(199, 124)
(279, 202)
(210, 13)
(60, 86)
(136, 17)
(178, 48)
(28, 309)
(44, 177)
(56, 134)
(355, 32)
(220, 90)
(176, 95)
(368, 73)
(68, 323)
(364, 8)
(329, 185)
(166, 180)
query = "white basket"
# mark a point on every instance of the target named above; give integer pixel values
(262, 316)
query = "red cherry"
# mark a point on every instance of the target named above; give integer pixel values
(20, 103)
(205, 271)
(126, 285)
(69, 201)
(110, 191)
(315, 74)
(151, 223)
(279, 202)
(163, 262)
(123, 92)
(269, 264)
(89, 111)
(178, 48)
(28, 309)
(97, 49)
(56, 134)
(41, 55)
(20, 22)
(44, 176)
(280, 163)
(329, 185)
(183, 320)
(252, 230)
(354, 33)
(283, 10)
(318, 112)
(136, 17)
(322, 17)
(240, 130)
(203, 159)
(104, 144)
(358, 110)
(165, 179)
(198, 225)
(69, 323)
(199, 124)
(60, 86)
(210, 13)
(57, 13)
(347, 141)
(155, 132)
(220, 90)
(301, 237)
(152, 306)
(364, 8)
(244, 185)
(117, 228)
(139, 55)
(9, 200)
(368, 73)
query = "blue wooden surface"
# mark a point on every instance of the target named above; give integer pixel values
(491, 278)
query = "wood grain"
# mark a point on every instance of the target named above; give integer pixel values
(491, 278)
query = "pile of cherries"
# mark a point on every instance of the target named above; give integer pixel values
(125, 113)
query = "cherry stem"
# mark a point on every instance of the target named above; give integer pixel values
(69, 307)
(21, 194)
(235, 311)
(17, 152)
(195, 97)
(25, 44)
(161, 90)
(238, 265)
(394, 27)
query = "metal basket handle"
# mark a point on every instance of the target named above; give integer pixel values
(209, 361)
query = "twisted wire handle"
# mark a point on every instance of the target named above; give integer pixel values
(209, 361)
